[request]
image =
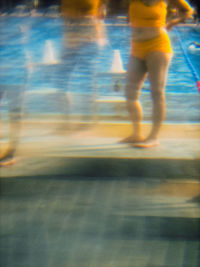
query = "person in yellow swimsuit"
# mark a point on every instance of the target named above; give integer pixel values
(83, 31)
(85, 12)
(150, 55)
(80, 8)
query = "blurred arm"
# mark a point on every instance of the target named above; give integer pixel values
(184, 11)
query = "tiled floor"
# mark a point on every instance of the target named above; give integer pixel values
(81, 222)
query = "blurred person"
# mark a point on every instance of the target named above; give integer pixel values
(83, 8)
(83, 34)
(150, 56)
(83, 24)
(13, 79)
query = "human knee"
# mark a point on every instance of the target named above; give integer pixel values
(158, 83)
(158, 95)
(132, 92)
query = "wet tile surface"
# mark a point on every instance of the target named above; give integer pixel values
(66, 222)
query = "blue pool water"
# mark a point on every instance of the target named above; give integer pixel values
(37, 32)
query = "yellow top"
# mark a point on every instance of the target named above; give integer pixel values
(142, 15)
(80, 8)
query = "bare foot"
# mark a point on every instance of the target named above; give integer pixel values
(147, 143)
(7, 159)
(131, 140)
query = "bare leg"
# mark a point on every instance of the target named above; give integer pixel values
(136, 75)
(7, 158)
(1, 96)
(157, 64)
(15, 96)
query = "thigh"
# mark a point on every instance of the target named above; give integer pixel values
(157, 65)
(136, 75)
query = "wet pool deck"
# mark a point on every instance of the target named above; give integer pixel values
(76, 197)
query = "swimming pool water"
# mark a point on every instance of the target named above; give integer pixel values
(188, 35)
(37, 32)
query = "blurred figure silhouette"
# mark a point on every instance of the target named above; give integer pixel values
(13, 78)
(82, 34)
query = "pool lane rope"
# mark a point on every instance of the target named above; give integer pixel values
(187, 58)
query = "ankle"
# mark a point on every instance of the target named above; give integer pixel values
(151, 137)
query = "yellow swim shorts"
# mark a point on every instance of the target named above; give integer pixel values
(143, 48)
